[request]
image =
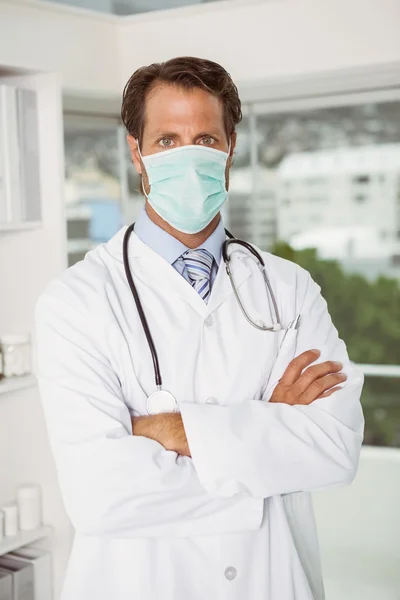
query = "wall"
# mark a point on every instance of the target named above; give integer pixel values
(80, 46)
(255, 40)
(26, 265)
(81, 49)
(271, 39)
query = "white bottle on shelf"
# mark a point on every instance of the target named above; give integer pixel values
(10, 519)
(16, 353)
(29, 499)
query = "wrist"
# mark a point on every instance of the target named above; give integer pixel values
(172, 427)
(165, 428)
(175, 435)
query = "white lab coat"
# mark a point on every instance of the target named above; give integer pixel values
(235, 521)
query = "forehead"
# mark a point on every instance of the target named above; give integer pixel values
(172, 108)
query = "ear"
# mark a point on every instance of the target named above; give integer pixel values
(133, 147)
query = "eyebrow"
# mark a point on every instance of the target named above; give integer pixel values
(208, 133)
(171, 134)
(160, 134)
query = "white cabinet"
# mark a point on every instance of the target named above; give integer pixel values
(20, 205)
(29, 258)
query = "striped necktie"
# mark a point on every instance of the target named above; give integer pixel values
(198, 265)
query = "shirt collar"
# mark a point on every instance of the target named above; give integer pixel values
(167, 246)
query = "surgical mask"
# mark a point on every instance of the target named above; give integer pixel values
(187, 185)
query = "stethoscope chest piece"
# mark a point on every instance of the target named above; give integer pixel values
(161, 401)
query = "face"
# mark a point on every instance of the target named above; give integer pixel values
(176, 117)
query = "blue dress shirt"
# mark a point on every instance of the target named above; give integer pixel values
(172, 249)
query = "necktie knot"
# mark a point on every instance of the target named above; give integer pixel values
(198, 264)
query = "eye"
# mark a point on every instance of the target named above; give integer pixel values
(166, 142)
(207, 140)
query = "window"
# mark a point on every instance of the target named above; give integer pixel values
(101, 187)
(359, 271)
(360, 198)
(383, 418)
(316, 181)
(237, 212)
(318, 200)
(92, 186)
(361, 179)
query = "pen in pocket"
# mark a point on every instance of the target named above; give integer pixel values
(292, 325)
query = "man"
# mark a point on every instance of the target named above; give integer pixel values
(212, 500)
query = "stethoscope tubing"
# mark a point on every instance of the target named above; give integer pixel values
(142, 316)
(226, 257)
(261, 265)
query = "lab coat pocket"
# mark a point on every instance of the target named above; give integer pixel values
(286, 353)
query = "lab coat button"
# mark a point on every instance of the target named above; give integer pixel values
(211, 401)
(209, 321)
(230, 573)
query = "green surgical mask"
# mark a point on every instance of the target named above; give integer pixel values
(187, 185)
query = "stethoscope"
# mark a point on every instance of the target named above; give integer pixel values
(162, 401)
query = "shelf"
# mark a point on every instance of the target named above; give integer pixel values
(23, 538)
(25, 225)
(13, 384)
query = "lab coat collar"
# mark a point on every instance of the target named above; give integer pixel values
(221, 290)
(136, 248)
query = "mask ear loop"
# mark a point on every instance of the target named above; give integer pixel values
(141, 180)
(226, 163)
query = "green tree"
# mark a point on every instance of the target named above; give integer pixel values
(367, 316)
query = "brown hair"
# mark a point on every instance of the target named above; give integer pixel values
(187, 72)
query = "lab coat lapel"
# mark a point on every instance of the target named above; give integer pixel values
(153, 270)
(157, 272)
(222, 288)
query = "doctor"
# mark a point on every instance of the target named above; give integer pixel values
(207, 497)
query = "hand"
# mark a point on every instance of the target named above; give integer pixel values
(318, 381)
(166, 429)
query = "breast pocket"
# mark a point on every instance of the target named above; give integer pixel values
(287, 352)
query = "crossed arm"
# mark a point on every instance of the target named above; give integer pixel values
(166, 429)
(300, 384)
